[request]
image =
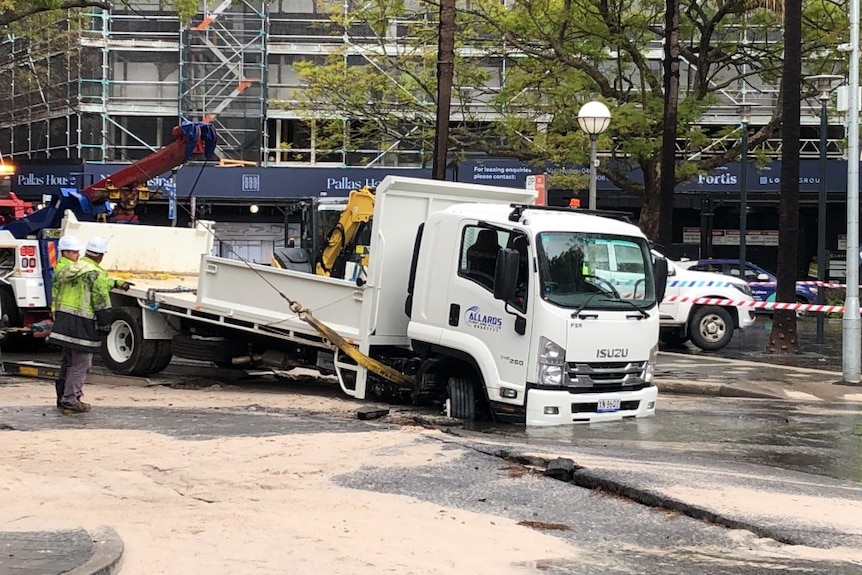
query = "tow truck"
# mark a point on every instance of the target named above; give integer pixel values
(28, 237)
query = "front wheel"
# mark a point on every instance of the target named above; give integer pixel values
(673, 337)
(462, 398)
(711, 328)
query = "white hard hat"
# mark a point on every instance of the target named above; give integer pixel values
(97, 245)
(69, 244)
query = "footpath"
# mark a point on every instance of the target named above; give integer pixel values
(742, 371)
(680, 373)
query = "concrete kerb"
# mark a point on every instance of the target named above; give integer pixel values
(107, 554)
(714, 390)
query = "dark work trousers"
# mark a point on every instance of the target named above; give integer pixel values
(79, 364)
(60, 383)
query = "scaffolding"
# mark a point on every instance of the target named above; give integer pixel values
(106, 86)
(223, 75)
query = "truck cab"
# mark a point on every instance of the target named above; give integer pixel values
(573, 340)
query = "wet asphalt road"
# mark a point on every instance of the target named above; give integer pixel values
(820, 439)
(811, 438)
(612, 534)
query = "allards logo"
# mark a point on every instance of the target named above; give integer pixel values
(475, 318)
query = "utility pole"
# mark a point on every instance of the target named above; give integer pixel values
(445, 75)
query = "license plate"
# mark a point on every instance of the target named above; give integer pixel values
(606, 405)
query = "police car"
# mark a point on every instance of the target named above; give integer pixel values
(763, 283)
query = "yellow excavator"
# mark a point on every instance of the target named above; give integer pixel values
(341, 243)
(344, 243)
(341, 246)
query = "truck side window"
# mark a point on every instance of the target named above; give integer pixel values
(519, 242)
(479, 255)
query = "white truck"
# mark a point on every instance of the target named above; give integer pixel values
(472, 298)
(709, 325)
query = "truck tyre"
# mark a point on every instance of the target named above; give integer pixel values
(16, 342)
(10, 310)
(802, 300)
(162, 357)
(711, 328)
(124, 349)
(462, 398)
(205, 348)
(675, 337)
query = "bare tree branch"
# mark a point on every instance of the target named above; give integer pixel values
(12, 16)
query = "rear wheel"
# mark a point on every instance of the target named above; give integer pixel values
(9, 311)
(162, 357)
(124, 349)
(711, 328)
(207, 348)
(16, 342)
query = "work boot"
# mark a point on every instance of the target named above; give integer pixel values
(77, 407)
(60, 386)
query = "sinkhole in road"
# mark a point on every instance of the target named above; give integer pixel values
(567, 471)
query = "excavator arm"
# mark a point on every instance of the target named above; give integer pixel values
(340, 242)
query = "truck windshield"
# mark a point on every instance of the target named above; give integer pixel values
(595, 271)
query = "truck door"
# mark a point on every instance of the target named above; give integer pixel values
(488, 323)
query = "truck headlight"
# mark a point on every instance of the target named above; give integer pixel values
(743, 287)
(650, 366)
(551, 362)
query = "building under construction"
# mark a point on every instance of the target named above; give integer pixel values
(108, 86)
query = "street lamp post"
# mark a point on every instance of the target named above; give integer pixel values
(852, 323)
(824, 85)
(594, 118)
(744, 119)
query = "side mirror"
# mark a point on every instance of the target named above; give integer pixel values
(762, 277)
(506, 274)
(660, 269)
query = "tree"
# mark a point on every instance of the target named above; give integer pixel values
(16, 10)
(783, 337)
(445, 76)
(380, 90)
(722, 43)
(556, 55)
(667, 167)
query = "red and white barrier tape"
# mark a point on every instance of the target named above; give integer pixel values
(805, 283)
(822, 284)
(755, 304)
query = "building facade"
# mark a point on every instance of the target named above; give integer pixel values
(106, 87)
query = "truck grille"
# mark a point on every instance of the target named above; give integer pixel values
(607, 376)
